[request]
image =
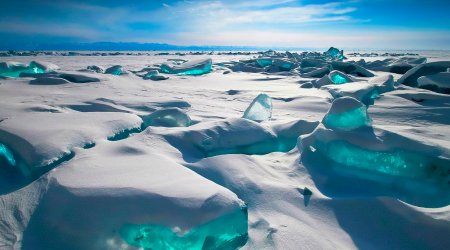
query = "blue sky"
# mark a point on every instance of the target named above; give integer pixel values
(402, 24)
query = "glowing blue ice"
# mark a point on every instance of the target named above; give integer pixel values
(227, 232)
(338, 79)
(195, 67)
(346, 113)
(15, 69)
(335, 54)
(263, 62)
(348, 120)
(260, 109)
(7, 155)
(394, 162)
(116, 70)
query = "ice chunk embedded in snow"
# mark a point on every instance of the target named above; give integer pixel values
(15, 69)
(260, 109)
(168, 117)
(346, 113)
(96, 68)
(263, 62)
(194, 67)
(379, 163)
(226, 232)
(335, 77)
(335, 54)
(116, 70)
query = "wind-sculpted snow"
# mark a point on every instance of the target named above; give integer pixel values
(41, 147)
(236, 136)
(130, 201)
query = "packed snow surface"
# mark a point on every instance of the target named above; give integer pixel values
(224, 150)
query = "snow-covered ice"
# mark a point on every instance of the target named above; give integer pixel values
(250, 150)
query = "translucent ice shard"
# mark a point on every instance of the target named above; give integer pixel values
(333, 78)
(169, 117)
(346, 113)
(338, 78)
(260, 109)
(116, 70)
(6, 155)
(227, 232)
(194, 67)
(335, 53)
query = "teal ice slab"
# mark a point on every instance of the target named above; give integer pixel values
(348, 120)
(227, 232)
(338, 79)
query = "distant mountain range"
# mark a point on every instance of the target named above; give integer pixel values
(128, 46)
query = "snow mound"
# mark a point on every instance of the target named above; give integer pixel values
(439, 82)
(52, 138)
(49, 81)
(236, 136)
(80, 77)
(113, 192)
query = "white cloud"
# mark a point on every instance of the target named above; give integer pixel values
(394, 39)
(214, 14)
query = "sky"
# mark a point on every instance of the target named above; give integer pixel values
(353, 24)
